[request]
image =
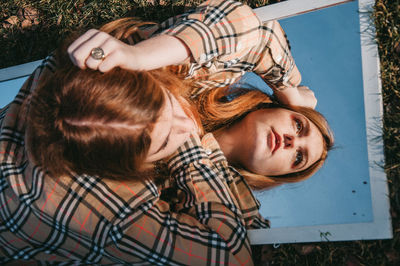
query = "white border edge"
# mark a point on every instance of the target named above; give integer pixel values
(374, 115)
(18, 71)
(291, 8)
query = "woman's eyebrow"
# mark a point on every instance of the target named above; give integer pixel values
(305, 158)
(307, 127)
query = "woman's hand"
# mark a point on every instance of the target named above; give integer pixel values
(116, 53)
(156, 52)
(298, 96)
(307, 96)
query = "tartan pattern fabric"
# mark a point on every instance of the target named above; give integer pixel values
(226, 39)
(91, 220)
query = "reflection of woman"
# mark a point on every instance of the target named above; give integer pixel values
(271, 144)
(92, 220)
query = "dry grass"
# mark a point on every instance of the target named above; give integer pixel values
(29, 30)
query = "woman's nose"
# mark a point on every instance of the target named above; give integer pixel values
(288, 141)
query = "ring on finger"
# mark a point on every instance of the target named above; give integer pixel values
(97, 53)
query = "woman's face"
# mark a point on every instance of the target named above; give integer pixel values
(171, 130)
(278, 141)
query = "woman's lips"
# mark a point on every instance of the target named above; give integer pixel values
(276, 141)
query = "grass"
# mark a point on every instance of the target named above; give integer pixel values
(29, 30)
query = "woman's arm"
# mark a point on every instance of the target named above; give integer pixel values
(201, 35)
(156, 52)
(225, 47)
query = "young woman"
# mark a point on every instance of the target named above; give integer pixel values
(76, 212)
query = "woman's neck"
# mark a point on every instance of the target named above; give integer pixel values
(227, 139)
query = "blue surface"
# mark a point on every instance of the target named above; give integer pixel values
(326, 47)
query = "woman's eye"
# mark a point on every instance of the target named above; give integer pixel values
(299, 126)
(299, 158)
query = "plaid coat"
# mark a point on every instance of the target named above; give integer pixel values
(226, 40)
(93, 220)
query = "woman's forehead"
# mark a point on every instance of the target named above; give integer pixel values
(315, 144)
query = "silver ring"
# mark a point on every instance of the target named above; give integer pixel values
(97, 53)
